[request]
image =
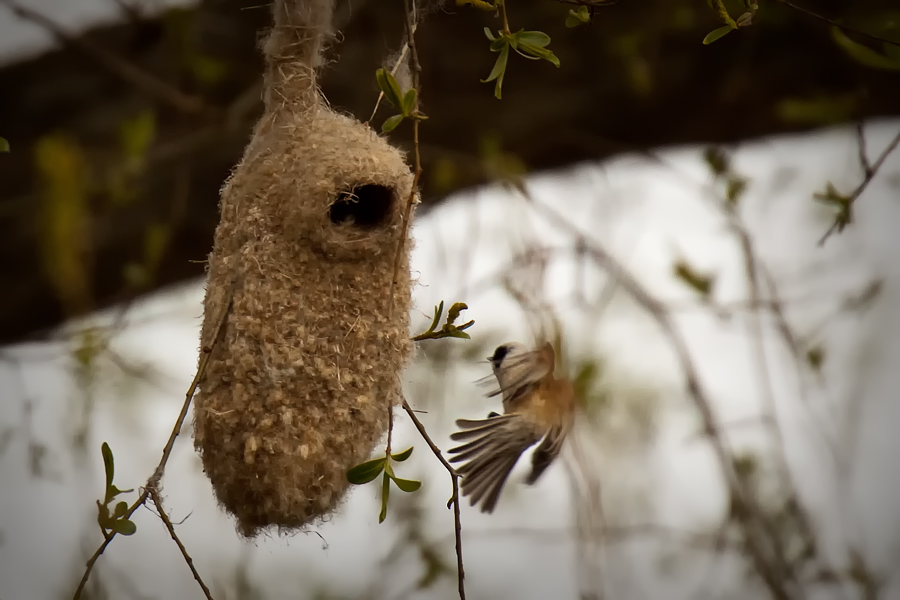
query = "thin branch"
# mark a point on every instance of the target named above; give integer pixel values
(156, 477)
(870, 175)
(415, 70)
(115, 64)
(454, 499)
(760, 544)
(834, 23)
(502, 4)
(861, 148)
(154, 495)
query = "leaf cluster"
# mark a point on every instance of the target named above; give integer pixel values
(530, 44)
(116, 519)
(449, 329)
(842, 203)
(365, 472)
(405, 102)
(745, 20)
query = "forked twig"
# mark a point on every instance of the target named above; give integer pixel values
(154, 479)
(870, 170)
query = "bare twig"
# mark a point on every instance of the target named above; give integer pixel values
(156, 477)
(154, 495)
(870, 172)
(115, 64)
(454, 499)
(834, 23)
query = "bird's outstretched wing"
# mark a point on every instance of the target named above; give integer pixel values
(546, 453)
(493, 447)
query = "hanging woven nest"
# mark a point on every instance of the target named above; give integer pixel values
(306, 365)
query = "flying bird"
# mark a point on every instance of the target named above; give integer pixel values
(536, 406)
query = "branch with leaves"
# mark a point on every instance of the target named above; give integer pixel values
(530, 44)
(449, 329)
(843, 203)
(368, 471)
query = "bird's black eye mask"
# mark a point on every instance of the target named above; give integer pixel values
(499, 353)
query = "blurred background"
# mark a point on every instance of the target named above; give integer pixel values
(708, 231)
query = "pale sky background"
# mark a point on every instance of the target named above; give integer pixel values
(648, 215)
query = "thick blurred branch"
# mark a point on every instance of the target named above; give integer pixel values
(113, 63)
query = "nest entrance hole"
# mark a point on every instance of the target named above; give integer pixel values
(365, 206)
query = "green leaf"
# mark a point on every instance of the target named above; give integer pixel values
(108, 464)
(407, 485)
(499, 71)
(124, 527)
(815, 357)
(391, 123)
(136, 135)
(715, 34)
(121, 509)
(538, 53)
(385, 492)
(734, 189)
(579, 17)
(365, 472)
(389, 87)
(4, 145)
(409, 101)
(490, 35)
(500, 43)
(699, 282)
(832, 196)
(103, 517)
(458, 334)
(533, 38)
(454, 311)
(499, 64)
(717, 160)
(438, 311)
(401, 456)
(863, 54)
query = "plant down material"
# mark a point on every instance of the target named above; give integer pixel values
(306, 367)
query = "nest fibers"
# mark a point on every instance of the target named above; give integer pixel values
(306, 365)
